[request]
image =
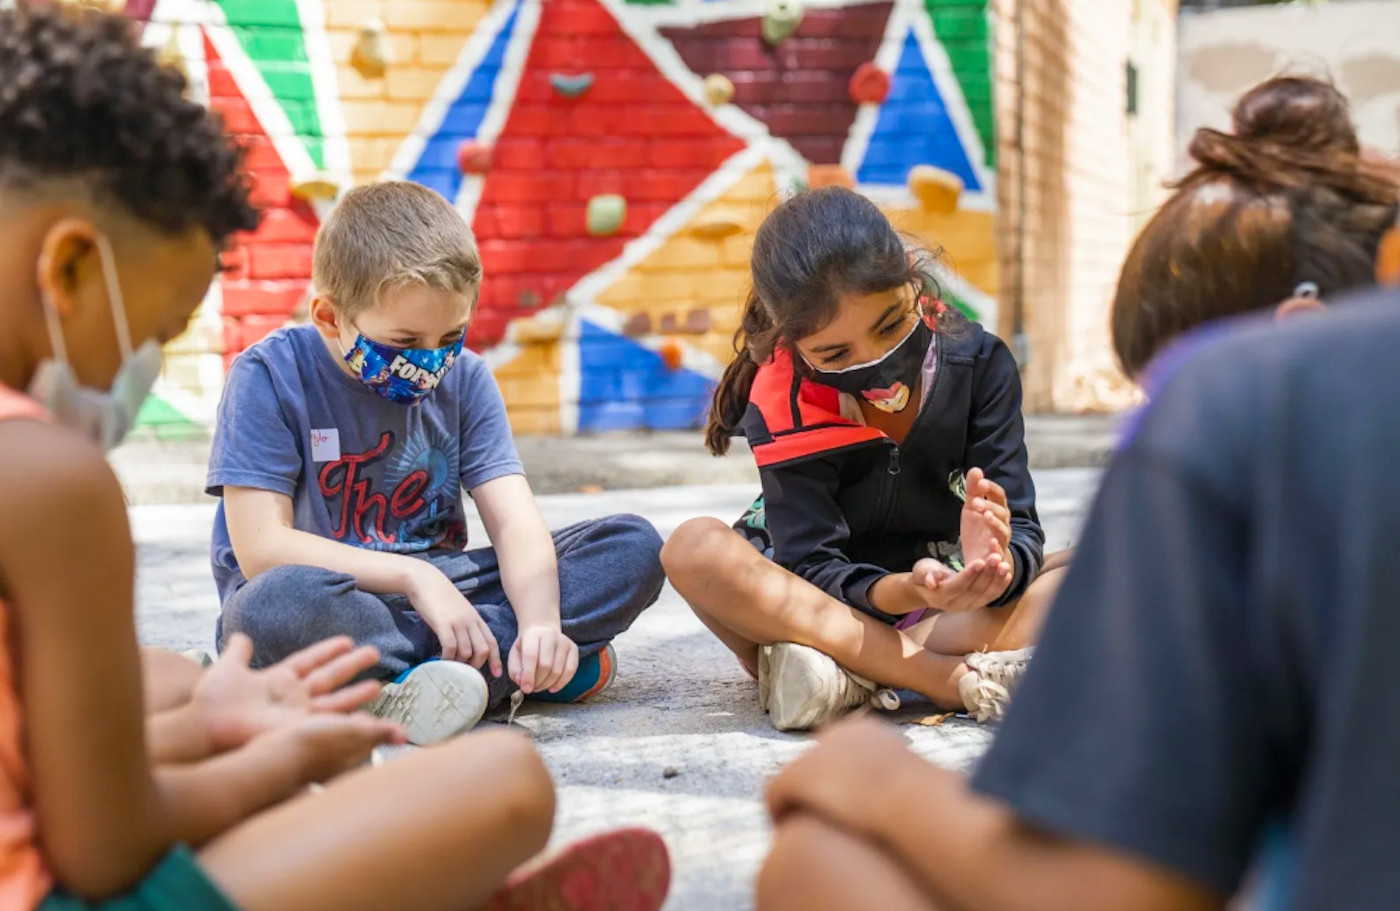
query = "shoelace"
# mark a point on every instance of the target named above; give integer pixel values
(517, 699)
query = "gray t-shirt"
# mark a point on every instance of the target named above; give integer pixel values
(359, 469)
(1223, 660)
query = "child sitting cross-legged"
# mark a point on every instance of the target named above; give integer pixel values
(116, 195)
(341, 452)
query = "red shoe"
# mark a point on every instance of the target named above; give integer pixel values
(622, 870)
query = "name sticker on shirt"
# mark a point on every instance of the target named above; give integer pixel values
(325, 445)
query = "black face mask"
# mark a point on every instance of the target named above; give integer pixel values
(887, 383)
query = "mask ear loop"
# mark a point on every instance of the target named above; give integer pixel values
(114, 295)
(60, 348)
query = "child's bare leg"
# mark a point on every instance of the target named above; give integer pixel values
(438, 830)
(168, 679)
(815, 865)
(992, 629)
(748, 601)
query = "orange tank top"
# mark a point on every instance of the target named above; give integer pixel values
(24, 879)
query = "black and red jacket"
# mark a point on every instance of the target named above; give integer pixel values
(845, 505)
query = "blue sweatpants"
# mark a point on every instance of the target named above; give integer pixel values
(609, 572)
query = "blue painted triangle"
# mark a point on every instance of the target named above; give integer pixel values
(437, 165)
(624, 385)
(914, 128)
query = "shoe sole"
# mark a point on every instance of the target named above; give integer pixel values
(439, 700)
(625, 870)
(795, 690)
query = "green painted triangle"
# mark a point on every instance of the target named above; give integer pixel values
(963, 30)
(271, 35)
(157, 412)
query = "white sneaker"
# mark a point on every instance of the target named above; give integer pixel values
(433, 701)
(801, 688)
(992, 676)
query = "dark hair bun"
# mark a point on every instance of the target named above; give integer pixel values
(1290, 133)
(1306, 115)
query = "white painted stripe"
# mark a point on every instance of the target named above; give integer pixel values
(941, 68)
(887, 59)
(453, 82)
(325, 83)
(586, 289)
(265, 105)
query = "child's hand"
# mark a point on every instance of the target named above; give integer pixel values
(236, 703)
(464, 636)
(324, 746)
(986, 524)
(980, 583)
(542, 659)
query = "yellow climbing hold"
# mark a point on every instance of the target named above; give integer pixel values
(719, 89)
(320, 186)
(936, 190)
(370, 55)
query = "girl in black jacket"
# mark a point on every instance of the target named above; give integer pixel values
(896, 543)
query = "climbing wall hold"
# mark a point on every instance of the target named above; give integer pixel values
(829, 175)
(936, 190)
(637, 325)
(717, 224)
(318, 187)
(672, 354)
(528, 299)
(370, 56)
(170, 55)
(780, 20)
(697, 322)
(571, 85)
(869, 84)
(606, 213)
(719, 90)
(475, 157)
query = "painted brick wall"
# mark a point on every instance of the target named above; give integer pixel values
(584, 332)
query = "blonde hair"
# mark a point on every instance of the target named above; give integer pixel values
(391, 235)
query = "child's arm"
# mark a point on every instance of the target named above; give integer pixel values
(263, 537)
(968, 851)
(543, 658)
(66, 571)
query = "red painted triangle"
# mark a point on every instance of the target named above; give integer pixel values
(632, 132)
(267, 270)
(799, 87)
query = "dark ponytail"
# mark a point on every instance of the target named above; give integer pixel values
(813, 248)
(753, 344)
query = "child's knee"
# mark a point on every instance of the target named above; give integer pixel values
(277, 603)
(517, 777)
(637, 544)
(692, 548)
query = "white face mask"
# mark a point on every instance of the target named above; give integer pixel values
(103, 417)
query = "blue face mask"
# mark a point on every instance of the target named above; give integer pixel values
(402, 375)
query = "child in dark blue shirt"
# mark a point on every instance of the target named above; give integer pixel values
(341, 452)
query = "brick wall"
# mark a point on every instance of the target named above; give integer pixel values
(577, 99)
(1078, 175)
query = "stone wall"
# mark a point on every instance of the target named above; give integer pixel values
(523, 111)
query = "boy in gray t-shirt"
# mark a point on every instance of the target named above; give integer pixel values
(341, 452)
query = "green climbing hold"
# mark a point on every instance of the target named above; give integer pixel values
(606, 213)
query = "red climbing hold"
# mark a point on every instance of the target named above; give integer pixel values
(869, 84)
(474, 157)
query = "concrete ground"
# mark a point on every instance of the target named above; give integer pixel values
(171, 469)
(677, 744)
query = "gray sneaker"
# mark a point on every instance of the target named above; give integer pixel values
(433, 701)
(800, 688)
(992, 676)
